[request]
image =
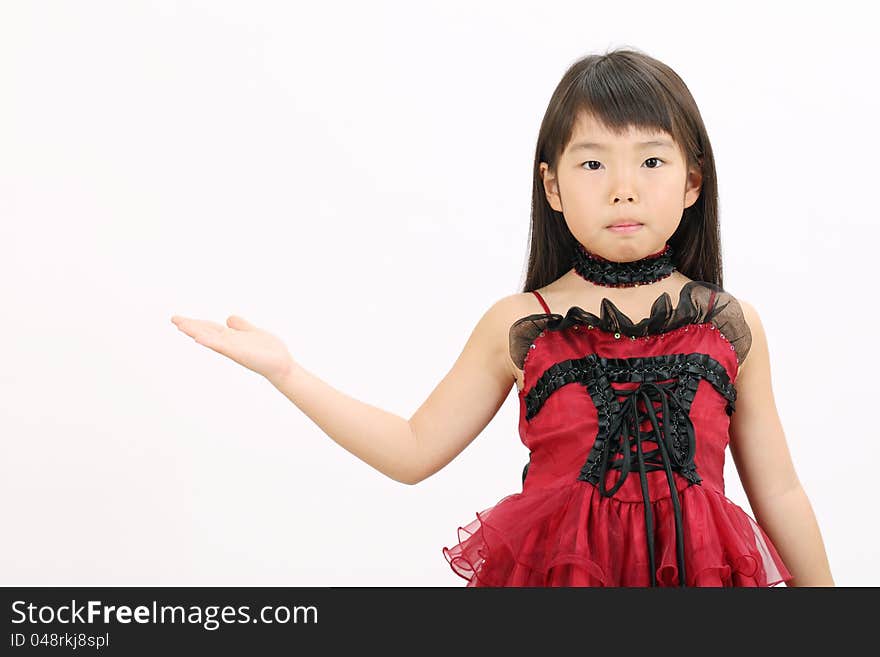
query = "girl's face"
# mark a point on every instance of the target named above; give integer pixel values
(602, 179)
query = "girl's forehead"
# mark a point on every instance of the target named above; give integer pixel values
(587, 127)
(589, 134)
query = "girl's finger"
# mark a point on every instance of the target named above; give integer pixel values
(240, 323)
(206, 340)
(191, 326)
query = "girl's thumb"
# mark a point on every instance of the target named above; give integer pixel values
(240, 323)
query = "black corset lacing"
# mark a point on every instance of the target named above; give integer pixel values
(624, 428)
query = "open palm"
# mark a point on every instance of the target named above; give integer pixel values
(247, 345)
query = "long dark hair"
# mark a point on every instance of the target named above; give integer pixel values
(625, 88)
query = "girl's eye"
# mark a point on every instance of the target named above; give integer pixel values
(597, 162)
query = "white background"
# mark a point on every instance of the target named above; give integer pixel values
(356, 178)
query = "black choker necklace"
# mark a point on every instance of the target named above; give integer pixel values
(600, 271)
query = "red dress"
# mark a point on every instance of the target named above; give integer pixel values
(598, 388)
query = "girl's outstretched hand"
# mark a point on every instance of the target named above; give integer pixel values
(241, 341)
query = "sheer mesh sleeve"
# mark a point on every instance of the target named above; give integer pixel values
(726, 314)
(524, 331)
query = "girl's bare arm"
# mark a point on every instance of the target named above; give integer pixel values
(455, 412)
(763, 462)
(408, 451)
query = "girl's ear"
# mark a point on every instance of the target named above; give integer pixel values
(694, 184)
(551, 187)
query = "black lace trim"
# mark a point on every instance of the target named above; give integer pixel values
(688, 368)
(669, 380)
(699, 302)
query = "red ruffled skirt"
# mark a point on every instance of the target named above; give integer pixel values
(573, 536)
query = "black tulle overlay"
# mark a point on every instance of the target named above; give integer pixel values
(693, 307)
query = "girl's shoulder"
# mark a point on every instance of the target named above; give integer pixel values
(508, 313)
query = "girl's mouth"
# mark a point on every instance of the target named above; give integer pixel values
(625, 228)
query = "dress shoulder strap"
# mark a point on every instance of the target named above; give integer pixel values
(711, 302)
(543, 303)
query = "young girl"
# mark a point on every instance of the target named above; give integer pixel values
(635, 369)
